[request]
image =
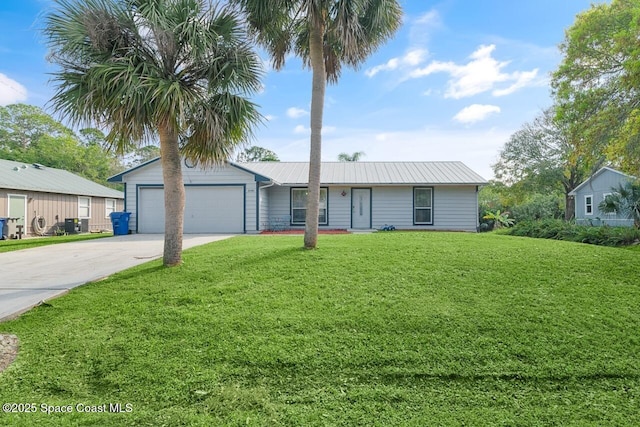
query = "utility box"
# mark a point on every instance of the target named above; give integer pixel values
(120, 223)
(11, 228)
(71, 225)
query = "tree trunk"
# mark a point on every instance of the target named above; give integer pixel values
(569, 207)
(317, 106)
(173, 195)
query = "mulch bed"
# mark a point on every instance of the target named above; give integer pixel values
(337, 231)
(8, 350)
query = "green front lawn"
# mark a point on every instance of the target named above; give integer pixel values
(34, 242)
(383, 329)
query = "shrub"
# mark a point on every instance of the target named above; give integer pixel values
(538, 206)
(563, 230)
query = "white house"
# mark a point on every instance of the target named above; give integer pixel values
(251, 197)
(589, 194)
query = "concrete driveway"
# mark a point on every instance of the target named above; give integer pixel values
(30, 276)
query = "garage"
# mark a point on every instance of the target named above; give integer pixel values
(208, 209)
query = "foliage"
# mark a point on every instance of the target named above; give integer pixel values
(625, 200)
(346, 157)
(142, 154)
(175, 69)
(539, 206)
(257, 154)
(564, 230)
(499, 219)
(22, 125)
(253, 331)
(598, 82)
(544, 157)
(28, 134)
(325, 34)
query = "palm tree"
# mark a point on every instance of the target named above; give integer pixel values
(624, 200)
(325, 34)
(346, 157)
(173, 69)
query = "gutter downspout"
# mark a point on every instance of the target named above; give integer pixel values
(272, 183)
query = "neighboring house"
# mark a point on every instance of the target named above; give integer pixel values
(49, 196)
(592, 192)
(251, 197)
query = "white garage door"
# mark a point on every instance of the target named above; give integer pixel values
(208, 209)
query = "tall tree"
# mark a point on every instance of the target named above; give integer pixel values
(346, 157)
(21, 125)
(175, 69)
(326, 34)
(598, 82)
(257, 154)
(546, 154)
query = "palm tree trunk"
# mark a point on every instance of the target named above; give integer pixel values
(317, 107)
(173, 195)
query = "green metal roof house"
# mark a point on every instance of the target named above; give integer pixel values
(42, 198)
(252, 197)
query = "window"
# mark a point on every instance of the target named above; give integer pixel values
(299, 206)
(423, 206)
(588, 205)
(109, 206)
(84, 207)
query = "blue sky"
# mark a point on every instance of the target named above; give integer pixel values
(454, 83)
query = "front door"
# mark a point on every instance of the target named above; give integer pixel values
(18, 208)
(361, 208)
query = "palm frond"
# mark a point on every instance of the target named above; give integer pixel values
(129, 65)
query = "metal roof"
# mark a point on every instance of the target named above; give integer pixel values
(34, 177)
(369, 173)
(599, 172)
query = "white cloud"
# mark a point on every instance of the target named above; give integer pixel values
(481, 74)
(523, 79)
(475, 113)
(11, 91)
(411, 58)
(270, 117)
(296, 113)
(300, 129)
(420, 29)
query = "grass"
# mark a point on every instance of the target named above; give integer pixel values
(16, 245)
(384, 329)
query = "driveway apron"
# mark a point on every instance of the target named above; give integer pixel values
(30, 276)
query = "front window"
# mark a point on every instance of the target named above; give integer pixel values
(109, 207)
(588, 205)
(299, 206)
(423, 206)
(84, 207)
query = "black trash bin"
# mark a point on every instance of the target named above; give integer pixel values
(120, 223)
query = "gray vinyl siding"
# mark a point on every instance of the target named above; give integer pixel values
(55, 208)
(151, 175)
(455, 207)
(264, 208)
(597, 187)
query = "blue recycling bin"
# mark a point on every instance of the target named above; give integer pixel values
(3, 230)
(120, 223)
